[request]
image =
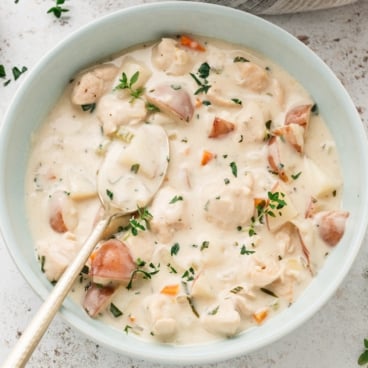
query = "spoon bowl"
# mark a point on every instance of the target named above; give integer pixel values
(133, 191)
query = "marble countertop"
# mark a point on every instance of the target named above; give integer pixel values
(334, 336)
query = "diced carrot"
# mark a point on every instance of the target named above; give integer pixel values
(93, 256)
(198, 103)
(191, 43)
(170, 290)
(259, 202)
(260, 316)
(132, 318)
(220, 127)
(207, 156)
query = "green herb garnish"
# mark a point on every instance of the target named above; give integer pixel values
(203, 73)
(2, 71)
(240, 59)
(126, 83)
(147, 272)
(115, 311)
(57, 10)
(237, 101)
(296, 176)
(135, 168)
(234, 168)
(175, 249)
(175, 199)
(268, 292)
(110, 194)
(140, 221)
(188, 274)
(363, 358)
(244, 250)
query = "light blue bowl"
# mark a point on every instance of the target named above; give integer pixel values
(117, 31)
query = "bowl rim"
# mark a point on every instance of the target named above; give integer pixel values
(167, 354)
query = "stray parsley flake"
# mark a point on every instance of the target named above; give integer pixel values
(2, 71)
(234, 168)
(240, 59)
(115, 311)
(110, 194)
(268, 292)
(89, 107)
(175, 199)
(203, 73)
(244, 250)
(363, 358)
(135, 168)
(175, 249)
(296, 176)
(237, 101)
(140, 221)
(57, 10)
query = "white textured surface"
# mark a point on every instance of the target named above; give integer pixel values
(333, 337)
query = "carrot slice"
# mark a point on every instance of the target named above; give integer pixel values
(170, 290)
(207, 156)
(191, 43)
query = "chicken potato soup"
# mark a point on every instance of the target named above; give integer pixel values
(229, 176)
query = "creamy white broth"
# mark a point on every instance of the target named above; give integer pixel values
(216, 263)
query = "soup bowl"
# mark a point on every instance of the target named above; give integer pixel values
(144, 23)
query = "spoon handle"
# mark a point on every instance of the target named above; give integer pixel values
(40, 322)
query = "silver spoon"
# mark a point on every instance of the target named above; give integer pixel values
(152, 140)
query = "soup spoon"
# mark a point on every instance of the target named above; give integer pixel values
(132, 172)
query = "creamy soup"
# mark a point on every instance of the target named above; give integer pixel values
(230, 175)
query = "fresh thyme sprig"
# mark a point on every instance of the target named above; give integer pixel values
(147, 272)
(126, 83)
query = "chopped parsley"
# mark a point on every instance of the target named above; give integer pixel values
(296, 176)
(115, 311)
(268, 292)
(151, 107)
(315, 109)
(140, 221)
(57, 10)
(270, 207)
(2, 71)
(16, 72)
(110, 194)
(175, 249)
(188, 275)
(363, 358)
(135, 168)
(205, 244)
(203, 73)
(171, 268)
(236, 289)
(175, 199)
(237, 101)
(240, 59)
(42, 261)
(89, 107)
(245, 251)
(213, 311)
(234, 168)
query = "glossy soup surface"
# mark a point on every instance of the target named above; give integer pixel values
(232, 175)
